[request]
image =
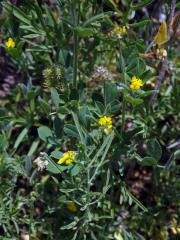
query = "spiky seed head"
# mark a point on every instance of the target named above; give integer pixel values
(54, 77)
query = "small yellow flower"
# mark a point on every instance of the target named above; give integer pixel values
(161, 53)
(136, 83)
(106, 122)
(10, 43)
(67, 158)
(119, 31)
(175, 228)
(71, 206)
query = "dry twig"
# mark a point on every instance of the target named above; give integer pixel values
(164, 64)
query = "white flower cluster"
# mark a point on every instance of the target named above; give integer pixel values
(101, 73)
(41, 162)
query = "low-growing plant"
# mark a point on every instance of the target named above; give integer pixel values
(86, 114)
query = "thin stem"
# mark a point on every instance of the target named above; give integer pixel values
(88, 193)
(123, 110)
(75, 20)
(75, 59)
(123, 116)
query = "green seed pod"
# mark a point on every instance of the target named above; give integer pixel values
(54, 77)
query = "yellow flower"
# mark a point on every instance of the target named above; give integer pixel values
(107, 122)
(67, 158)
(119, 31)
(10, 43)
(136, 83)
(71, 206)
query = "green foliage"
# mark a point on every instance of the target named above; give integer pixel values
(83, 155)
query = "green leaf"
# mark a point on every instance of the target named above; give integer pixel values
(13, 52)
(63, 56)
(84, 116)
(103, 150)
(58, 126)
(56, 154)
(133, 101)
(154, 149)
(132, 133)
(148, 161)
(110, 92)
(63, 110)
(71, 131)
(45, 106)
(139, 24)
(147, 93)
(55, 97)
(100, 107)
(3, 143)
(20, 138)
(141, 4)
(32, 35)
(51, 19)
(97, 18)
(78, 127)
(28, 164)
(44, 132)
(17, 13)
(84, 32)
(137, 201)
(114, 106)
(38, 48)
(140, 67)
(173, 157)
(146, 75)
(52, 167)
(75, 170)
(121, 63)
(69, 226)
(33, 148)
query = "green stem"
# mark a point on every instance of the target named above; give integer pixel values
(75, 20)
(123, 116)
(123, 110)
(104, 86)
(75, 59)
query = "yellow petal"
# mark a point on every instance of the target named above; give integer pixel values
(161, 37)
(68, 161)
(61, 160)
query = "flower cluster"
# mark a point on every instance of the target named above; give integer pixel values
(106, 122)
(119, 31)
(136, 83)
(161, 53)
(41, 162)
(67, 158)
(54, 76)
(10, 43)
(101, 73)
(71, 206)
(175, 228)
